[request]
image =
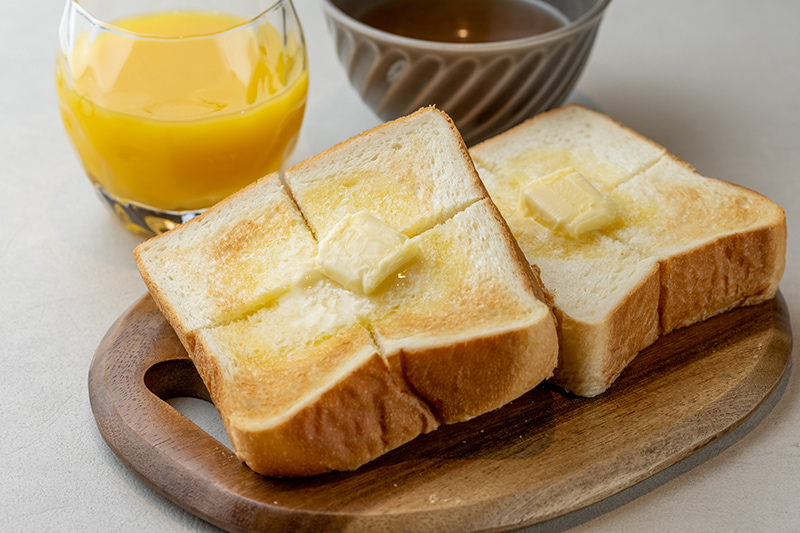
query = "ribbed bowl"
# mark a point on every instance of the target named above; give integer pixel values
(485, 88)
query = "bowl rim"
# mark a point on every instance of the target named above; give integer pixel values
(588, 18)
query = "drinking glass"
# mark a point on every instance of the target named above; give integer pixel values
(172, 105)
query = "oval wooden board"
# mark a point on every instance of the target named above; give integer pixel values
(539, 457)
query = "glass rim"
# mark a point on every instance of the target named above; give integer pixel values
(108, 26)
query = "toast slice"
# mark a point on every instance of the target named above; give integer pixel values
(662, 263)
(312, 368)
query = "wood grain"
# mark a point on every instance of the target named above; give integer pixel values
(539, 457)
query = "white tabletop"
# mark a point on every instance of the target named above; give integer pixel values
(717, 82)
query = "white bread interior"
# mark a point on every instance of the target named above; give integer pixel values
(683, 247)
(311, 377)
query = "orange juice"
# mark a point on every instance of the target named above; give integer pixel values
(186, 109)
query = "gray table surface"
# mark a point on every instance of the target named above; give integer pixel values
(715, 81)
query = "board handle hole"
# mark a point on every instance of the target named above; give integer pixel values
(175, 378)
(177, 383)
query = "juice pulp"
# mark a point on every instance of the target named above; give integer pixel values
(179, 123)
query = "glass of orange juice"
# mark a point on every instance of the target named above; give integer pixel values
(172, 105)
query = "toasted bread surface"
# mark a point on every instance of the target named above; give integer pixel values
(603, 324)
(221, 266)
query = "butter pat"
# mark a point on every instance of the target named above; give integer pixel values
(566, 201)
(361, 251)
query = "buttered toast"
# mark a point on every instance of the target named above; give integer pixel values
(373, 297)
(631, 242)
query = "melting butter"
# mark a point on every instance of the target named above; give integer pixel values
(566, 201)
(361, 251)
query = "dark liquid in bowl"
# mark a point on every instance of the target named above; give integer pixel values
(461, 21)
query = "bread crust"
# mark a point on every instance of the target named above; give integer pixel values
(463, 380)
(730, 271)
(362, 417)
(592, 356)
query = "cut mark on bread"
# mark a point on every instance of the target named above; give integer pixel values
(413, 173)
(397, 368)
(288, 191)
(252, 307)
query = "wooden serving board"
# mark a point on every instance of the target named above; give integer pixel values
(540, 457)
